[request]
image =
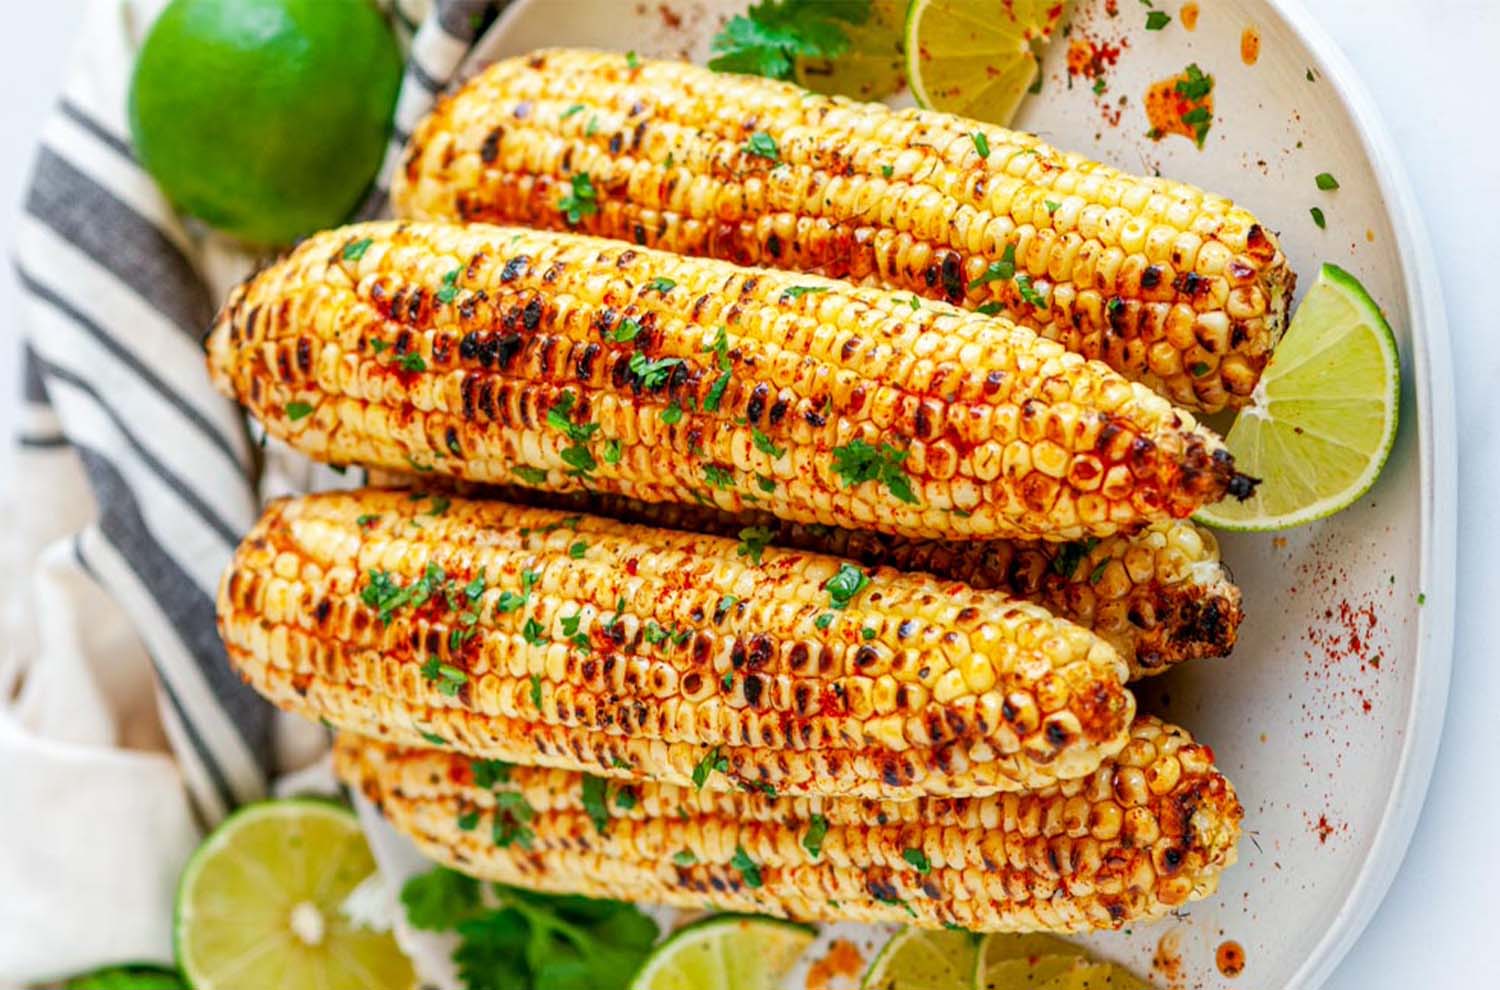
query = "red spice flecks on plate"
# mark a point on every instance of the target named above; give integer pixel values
(843, 963)
(1181, 104)
(1166, 962)
(1250, 45)
(1188, 15)
(1230, 958)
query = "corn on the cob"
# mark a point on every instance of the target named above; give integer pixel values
(1160, 597)
(1172, 286)
(571, 363)
(585, 643)
(1142, 835)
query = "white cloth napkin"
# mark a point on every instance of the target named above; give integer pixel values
(123, 732)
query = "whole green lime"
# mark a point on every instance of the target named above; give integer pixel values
(265, 118)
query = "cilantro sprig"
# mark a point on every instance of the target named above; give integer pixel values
(515, 939)
(768, 38)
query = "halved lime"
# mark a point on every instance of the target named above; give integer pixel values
(1323, 417)
(873, 67)
(258, 905)
(977, 60)
(726, 952)
(917, 959)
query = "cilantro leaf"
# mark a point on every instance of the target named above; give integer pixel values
(843, 586)
(582, 200)
(439, 899)
(767, 39)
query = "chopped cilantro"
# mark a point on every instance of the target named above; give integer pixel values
(662, 284)
(612, 451)
(536, 689)
(761, 145)
(1097, 574)
(1318, 218)
(671, 414)
(981, 144)
(489, 773)
(764, 444)
(1065, 564)
(1003, 270)
(753, 541)
(632, 60)
(581, 200)
(1157, 19)
(575, 108)
(766, 482)
(798, 291)
(843, 586)
(718, 476)
(918, 859)
(469, 820)
(530, 475)
(1052, 206)
(1028, 293)
(857, 462)
(411, 362)
(535, 634)
(449, 679)
(1326, 181)
(652, 374)
(627, 331)
(684, 857)
(449, 290)
(596, 801)
(716, 393)
(749, 872)
(887, 170)
(508, 827)
(298, 410)
(433, 738)
(355, 250)
(711, 761)
(824, 621)
(817, 830)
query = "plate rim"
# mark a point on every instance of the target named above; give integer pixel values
(1437, 450)
(1435, 416)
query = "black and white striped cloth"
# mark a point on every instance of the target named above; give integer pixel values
(117, 292)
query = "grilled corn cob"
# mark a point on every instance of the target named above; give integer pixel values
(572, 363)
(1169, 285)
(1160, 597)
(585, 643)
(1142, 835)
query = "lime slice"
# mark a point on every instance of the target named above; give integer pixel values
(258, 905)
(1323, 417)
(1029, 973)
(873, 67)
(1005, 961)
(725, 952)
(977, 60)
(916, 959)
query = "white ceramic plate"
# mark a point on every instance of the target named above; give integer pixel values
(1327, 716)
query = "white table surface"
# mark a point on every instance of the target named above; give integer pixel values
(1430, 67)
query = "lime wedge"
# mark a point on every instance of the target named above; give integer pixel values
(873, 67)
(977, 60)
(917, 959)
(258, 905)
(1323, 417)
(725, 952)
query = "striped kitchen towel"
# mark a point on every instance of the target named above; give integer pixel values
(130, 486)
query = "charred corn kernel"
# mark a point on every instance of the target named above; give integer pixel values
(1179, 602)
(1011, 862)
(572, 363)
(586, 643)
(760, 172)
